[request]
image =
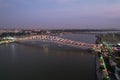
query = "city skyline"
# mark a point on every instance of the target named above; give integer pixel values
(60, 14)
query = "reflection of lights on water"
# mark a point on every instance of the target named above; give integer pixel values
(46, 50)
(45, 45)
(13, 50)
(6, 44)
(13, 54)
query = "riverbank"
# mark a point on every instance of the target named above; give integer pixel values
(112, 57)
(111, 38)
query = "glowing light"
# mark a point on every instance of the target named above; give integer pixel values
(6, 42)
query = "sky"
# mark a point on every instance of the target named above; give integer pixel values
(60, 14)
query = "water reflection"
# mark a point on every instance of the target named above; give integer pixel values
(13, 49)
(13, 52)
(45, 49)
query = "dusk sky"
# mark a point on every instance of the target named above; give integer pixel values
(60, 14)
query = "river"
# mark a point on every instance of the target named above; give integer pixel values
(35, 60)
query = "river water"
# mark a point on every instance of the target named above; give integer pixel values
(35, 60)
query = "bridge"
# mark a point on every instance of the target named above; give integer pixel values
(59, 40)
(54, 39)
